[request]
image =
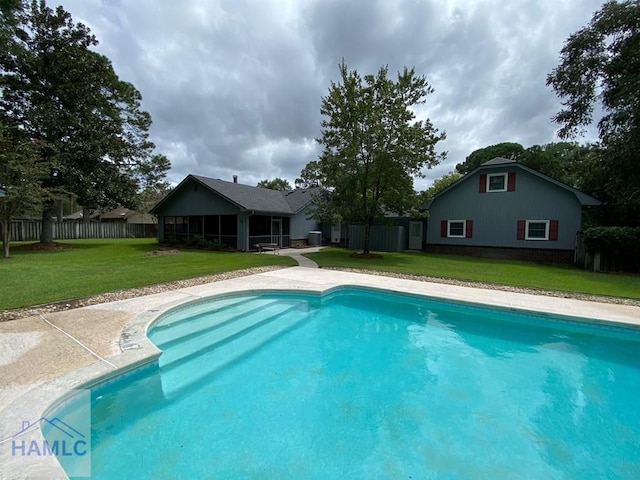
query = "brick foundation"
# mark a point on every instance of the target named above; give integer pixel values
(299, 242)
(538, 255)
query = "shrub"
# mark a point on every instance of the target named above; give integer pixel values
(620, 246)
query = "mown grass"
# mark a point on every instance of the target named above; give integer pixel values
(97, 266)
(505, 272)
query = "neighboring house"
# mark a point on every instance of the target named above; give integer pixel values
(504, 209)
(125, 215)
(79, 216)
(235, 215)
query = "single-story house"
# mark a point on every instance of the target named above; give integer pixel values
(235, 215)
(504, 209)
(78, 216)
(126, 215)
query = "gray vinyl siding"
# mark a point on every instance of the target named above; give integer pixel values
(300, 226)
(195, 199)
(495, 214)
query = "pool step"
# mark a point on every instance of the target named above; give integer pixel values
(184, 328)
(233, 326)
(190, 371)
(172, 320)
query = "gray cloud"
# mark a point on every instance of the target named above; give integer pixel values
(235, 87)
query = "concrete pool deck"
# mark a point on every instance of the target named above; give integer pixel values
(45, 356)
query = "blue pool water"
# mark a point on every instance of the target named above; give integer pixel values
(365, 384)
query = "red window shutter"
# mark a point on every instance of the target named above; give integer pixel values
(482, 187)
(511, 182)
(469, 229)
(522, 225)
(553, 230)
(443, 229)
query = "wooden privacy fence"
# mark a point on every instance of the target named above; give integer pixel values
(30, 231)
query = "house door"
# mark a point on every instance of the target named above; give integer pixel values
(415, 235)
(276, 232)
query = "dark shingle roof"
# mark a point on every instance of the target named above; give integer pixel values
(247, 197)
(500, 161)
(287, 202)
(298, 198)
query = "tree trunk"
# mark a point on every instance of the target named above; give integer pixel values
(6, 238)
(59, 210)
(46, 236)
(367, 234)
(86, 215)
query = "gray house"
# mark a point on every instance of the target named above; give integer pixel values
(235, 215)
(504, 209)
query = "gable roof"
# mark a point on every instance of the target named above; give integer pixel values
(246, 197)
(583, 198)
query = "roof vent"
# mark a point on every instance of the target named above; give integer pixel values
(235, 179)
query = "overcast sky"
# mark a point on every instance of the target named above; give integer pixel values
(234, 87)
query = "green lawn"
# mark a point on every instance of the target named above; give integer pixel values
(103, 265)
(525, 274)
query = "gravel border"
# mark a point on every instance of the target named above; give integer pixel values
(6, 315)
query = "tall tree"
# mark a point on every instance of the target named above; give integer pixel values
(21, 173)
(275, 184)
(373, 146)
(600, 65)
(95, 134)
(482, 155)
(563, 161)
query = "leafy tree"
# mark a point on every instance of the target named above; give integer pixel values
(20, 176)
(93, 130)
(275, 184)
(600, 65)
(311, 176)
(151, 195)
(563, 161)
(373, 146)
(482, 155)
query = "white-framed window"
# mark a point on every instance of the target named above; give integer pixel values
(497, 182)
(456, 228)
(537, 230)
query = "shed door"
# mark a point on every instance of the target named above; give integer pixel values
(336, 233)
(415, 235)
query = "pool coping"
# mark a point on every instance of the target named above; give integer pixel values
(137, 350)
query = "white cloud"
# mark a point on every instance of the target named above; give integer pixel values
(235, 87)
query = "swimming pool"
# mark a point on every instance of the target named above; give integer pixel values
(360, 383)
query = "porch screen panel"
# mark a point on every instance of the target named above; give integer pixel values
(229, 230)
(259, 225)
(212, 225)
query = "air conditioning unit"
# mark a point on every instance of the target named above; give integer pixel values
(315, 238)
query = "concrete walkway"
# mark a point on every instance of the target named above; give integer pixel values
(297, 255)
